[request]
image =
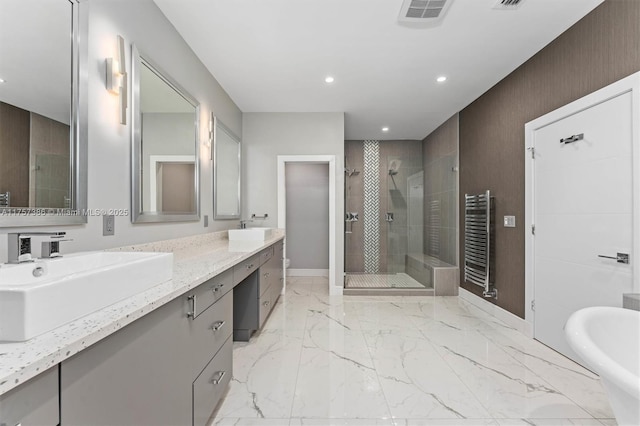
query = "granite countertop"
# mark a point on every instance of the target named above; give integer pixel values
(195, 260)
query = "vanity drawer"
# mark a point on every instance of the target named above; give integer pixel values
(243, 269)
(278, 250)
(32, 403)
(210, 330)
(265, 279)
(276, 289)
(264, 307)
(207, 293)
(265, 255)
(211, 384)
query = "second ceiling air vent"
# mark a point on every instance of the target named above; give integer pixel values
(423, 10)
(507, 4)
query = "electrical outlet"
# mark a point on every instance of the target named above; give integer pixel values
(509, 221)
(206, 221)
(108, 225)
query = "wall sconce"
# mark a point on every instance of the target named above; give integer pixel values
(116, 80)
(209, 141)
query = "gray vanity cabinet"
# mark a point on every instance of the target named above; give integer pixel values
(169, 367)
(140, 375)
(34, 403)
(256, 295)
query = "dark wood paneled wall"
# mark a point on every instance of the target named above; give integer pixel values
(14, 153)
(598, 50)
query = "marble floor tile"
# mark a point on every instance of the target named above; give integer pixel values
(382, 315)
(336, 378)
(264, 375)
(577, 383)
(446, 422)
(504, 386)
(231, 421)
(415, 388)
(549, 422)
(341, 422)
(399, 360)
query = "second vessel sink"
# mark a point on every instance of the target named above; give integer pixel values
(40, 296)
(250, 234)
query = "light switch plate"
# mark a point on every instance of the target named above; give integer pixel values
(108, 225)
(509, 221)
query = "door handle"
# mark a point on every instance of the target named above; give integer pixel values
(620, 257)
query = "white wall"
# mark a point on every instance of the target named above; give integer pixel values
(307, 214)
(109, 150)
(267, 135)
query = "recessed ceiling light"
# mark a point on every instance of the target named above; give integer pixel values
(385, 129)
(441, 79)
(329, 79)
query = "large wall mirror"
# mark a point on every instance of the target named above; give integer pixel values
(226, 172)
(165, 147)
(42, 137)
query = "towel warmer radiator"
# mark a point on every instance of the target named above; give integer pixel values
(478, 242)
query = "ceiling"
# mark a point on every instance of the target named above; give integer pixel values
(273, 56)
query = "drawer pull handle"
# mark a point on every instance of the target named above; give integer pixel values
(217, 288)
(217, 325)
(266, 275)
(192, 313)
(265, 303)
(217, 378)
(250, 266)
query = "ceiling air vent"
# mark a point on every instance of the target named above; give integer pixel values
(507, 4)
(423, 10)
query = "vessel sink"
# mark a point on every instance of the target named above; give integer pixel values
(39, 296)
(250, 234)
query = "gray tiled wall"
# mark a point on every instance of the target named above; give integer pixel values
(440, 157)
(392, 197)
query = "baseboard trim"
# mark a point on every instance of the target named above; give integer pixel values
(307, 272)
(503, 315)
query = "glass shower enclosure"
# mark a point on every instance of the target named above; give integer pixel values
(384, 217)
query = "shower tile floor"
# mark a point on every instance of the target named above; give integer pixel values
(400, 360)
(400, 280)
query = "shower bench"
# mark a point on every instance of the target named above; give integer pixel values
(433, 272)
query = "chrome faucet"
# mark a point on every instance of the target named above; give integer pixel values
(19, 250)
(243, 223)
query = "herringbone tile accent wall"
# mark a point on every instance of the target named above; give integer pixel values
(371, 206)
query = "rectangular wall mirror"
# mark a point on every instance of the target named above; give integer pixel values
(43, 163)
(226, 172)
(165, 149)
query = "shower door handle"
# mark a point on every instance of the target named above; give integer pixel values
(620, 257)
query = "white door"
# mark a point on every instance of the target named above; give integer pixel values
(583, 206)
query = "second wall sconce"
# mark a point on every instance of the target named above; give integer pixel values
(116, 78)
(211, 135)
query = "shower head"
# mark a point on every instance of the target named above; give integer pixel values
(394, 166)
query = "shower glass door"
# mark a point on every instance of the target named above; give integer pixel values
(384, 201)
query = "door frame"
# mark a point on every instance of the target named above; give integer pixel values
(630, 84)
(282, 206)
(153, 164)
